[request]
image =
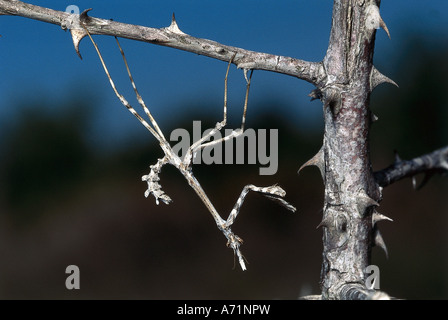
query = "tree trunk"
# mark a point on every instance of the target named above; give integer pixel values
(351, 192)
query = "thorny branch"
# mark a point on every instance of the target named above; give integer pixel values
(184, 165)
(432, 163)
(171, 36)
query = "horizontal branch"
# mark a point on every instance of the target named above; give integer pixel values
(431, 163)
(171, 36)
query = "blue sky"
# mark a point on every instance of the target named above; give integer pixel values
(37, 60)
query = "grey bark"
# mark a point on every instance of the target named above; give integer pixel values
(344, 81)
(351, 192)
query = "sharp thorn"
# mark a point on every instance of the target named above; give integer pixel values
(377, 78)
(79, 33)
(173, 26)
(77, 36)
(317, 160)
(83, 16)
(364, 201)
(324, 223)
(397, 157)
(331, 96)
(414, 183)
(377, 217)
(384, 26)
(379, 241)
(315, 94)
(374, 19)
(425, 180)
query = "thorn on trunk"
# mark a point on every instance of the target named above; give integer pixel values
(331, 98)
(377, 217)
(364, 202)
(377, 78)
(384, 26)
(374, 20)
(324, 223)
(318, 160)
(379, 241)
(315, 94)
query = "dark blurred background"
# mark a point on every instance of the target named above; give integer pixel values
(71, 161)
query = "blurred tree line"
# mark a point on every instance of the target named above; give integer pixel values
(63, 201)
